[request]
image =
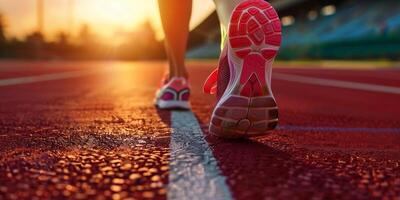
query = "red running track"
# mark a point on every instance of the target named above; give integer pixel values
(332, 142)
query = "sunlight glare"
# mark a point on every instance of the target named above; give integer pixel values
(106, 18)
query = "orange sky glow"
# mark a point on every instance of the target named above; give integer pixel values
(106, 18)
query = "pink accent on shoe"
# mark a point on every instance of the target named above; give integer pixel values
(185, 96)
(240, 42)
(252, 88)
(167, 96)
(209, 86)
(253, 63)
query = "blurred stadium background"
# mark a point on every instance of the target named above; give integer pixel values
(313, 29)
(329, 29)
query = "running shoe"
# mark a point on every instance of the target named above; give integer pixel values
(245, 105)
(173, 94)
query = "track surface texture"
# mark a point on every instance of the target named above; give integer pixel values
(79, 130)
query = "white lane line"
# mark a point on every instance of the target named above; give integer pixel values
(44, 77)
(339, 129)
(337, 83)
(194, 172)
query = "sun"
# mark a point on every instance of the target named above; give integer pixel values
(116, 14)
(111, 20)
(110, 15)
(104, 17)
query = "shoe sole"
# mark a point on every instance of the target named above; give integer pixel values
(248, 108)
(173, 105)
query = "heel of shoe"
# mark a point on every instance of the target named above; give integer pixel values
(241, 116)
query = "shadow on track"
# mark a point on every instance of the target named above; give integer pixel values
(255, 170)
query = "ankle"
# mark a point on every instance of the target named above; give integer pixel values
(176, 74)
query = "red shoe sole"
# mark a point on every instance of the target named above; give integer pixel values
(254, 39)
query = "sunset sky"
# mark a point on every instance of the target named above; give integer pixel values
(105, 17)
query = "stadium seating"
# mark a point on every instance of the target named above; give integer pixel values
(359, 29)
